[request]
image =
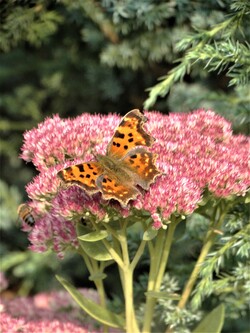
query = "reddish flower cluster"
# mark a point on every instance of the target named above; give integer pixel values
(54, 312)
(196, 151)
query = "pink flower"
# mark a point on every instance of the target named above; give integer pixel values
(44, 186)
(56, 140)
(157, 221)
(196, 151)
(41, 235)
(11, 325)
(52, 230)
(73, 202)
(52, 312)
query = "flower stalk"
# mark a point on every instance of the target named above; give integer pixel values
(218, 218)
(127, 277)
(195, 273)
(158, 262)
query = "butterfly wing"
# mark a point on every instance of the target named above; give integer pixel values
(129, 134)
(84, 175)
(124, 166)
(113, 188)
(142, 164)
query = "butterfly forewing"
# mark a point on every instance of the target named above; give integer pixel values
(84, 175)
(129, 134)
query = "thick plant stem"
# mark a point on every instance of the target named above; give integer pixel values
(138, 255)
(94, 268)
(193, 277)
(127, 279)
(102, 295)
(101, 292)
(159, 259)
(131, 323)
(209, 241)
(155, 255)
(165, 255)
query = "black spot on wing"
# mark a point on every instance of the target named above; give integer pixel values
(119, 135)
(81, 168)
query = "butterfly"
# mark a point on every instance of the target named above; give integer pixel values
(125, 165)
(24, 212)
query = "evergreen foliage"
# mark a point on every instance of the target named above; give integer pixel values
(70, 57)
(224, 48)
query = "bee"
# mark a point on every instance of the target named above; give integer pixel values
(24, 212)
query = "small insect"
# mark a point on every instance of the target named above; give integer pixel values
(24, 212)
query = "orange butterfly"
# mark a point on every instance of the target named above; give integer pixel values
(124, 166)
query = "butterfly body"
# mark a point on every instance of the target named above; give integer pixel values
(124, 166)
(109, 163)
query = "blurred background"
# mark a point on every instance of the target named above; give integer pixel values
(70, 57)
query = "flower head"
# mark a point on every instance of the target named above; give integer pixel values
(196, 151)
(46, 312)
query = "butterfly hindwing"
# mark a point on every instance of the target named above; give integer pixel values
(142, 164)
(113, 188)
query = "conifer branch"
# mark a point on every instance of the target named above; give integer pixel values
(96, 13)
(218, 49)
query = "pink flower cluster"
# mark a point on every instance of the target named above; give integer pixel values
(58, 140)
(196, 152)
(53, 312)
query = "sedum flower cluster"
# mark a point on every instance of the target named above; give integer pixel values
(46, 312)
(198, 155)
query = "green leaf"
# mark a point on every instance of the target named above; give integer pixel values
(247, 200)
(96, 311)
(162, 295)
(12, 259)
(94, 236)
(213, 322)
(94, 249)
(149, 234)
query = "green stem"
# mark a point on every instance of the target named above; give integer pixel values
(95, 268)
(155, 256)
(193, 277)
(127, 278)
(165, 254)
(100, 289)
(87, 260)
(99, 268)
(131, 323)
(138, 255)
(113, 253)
(158, 261)
(209, 241)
